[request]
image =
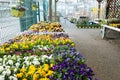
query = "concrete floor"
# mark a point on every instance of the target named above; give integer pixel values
(9, 27)
(102, 55)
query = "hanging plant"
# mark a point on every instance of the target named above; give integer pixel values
(34, 7)
(18, 10)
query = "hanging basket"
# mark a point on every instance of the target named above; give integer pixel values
(34, 7)
(17, 13)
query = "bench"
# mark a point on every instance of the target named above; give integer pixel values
(110, 32)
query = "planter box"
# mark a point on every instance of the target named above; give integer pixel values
(114, 25)
(17, 13)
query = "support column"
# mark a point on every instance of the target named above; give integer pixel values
(50, 10)
(44, 10)
(38, 11)
(99, 10)
(55, 10)
(99, 5)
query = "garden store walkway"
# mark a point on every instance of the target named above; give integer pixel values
(102, 55)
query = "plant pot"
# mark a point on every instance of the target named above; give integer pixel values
(17, 13)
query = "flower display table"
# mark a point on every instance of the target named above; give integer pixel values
(36, 55)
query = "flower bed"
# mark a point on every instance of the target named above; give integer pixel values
(25, 68)
(35, 44)
(46, 26)
(42, 56)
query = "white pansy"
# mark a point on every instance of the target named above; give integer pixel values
(45, 48)
(23, 66)
(14, 75)
(26, 58)
(17, 65)
(4, 60)
(13, 78)
(10, 62)
(13, 57)
(7, 67)
(27, 63)
(30, 63)
(15, 70)
(9, 56)
(4, 73)
(1, 59)
(35, 59)
(8, 72)
(4, 56)
(51, 56)
(1, 69)
(40, 48)
(44, 56)
(18, 59)
(2, 77)
(36, 62)
(4, 65)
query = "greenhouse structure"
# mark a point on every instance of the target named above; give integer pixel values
(59, 39)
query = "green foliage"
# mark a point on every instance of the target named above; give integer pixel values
(114, 21)
(73, 20)
(86, 24)
(104, 22)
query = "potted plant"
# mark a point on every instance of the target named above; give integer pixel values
(114, 22)
(18, 11)
(34, 7)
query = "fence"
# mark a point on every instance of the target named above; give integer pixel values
(11, 26)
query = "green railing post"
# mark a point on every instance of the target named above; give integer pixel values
(35, 15)
(38, 11)
(45, 9)
(30, 16)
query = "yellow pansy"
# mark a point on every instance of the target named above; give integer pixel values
(19, 75)
(35, 77)
(2, 50)
(44, 79)
(31, 72)
(32, 67)
(15, 45)
(7, 49)
(51, 65)
(43, 73)
(73, 45)
(24, 79)
(27, 74)
(23, 70)
(46, 67)
(39, 70)
(50, 73)
(31, 43)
